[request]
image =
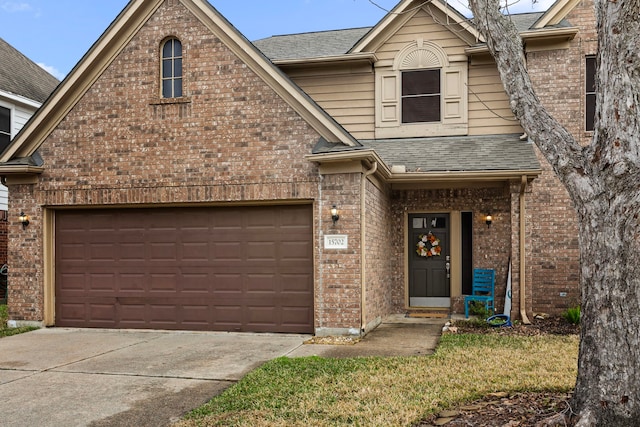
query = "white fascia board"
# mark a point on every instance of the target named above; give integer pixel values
(19, 100)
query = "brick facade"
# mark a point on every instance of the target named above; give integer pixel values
(233, 140)
(379, 232)
(559, 79)
(338, 277)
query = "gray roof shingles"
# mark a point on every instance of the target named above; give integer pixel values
(457, 154)
(21, 76)
(339, 42)
(310, 45)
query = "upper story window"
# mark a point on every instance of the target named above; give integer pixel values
(421, 98)
(421, 92)
(172, 69)
(5, 127)
(590, 92)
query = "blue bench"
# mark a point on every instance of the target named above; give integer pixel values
(482, 289)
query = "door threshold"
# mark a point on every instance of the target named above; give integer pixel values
(430, 315)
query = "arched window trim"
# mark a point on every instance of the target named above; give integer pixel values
(171, 68)
(421, 57)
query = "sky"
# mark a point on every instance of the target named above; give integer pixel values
(55, 34)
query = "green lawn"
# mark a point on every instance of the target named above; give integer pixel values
(396, 391)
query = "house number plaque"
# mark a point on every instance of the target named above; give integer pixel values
(336, 241)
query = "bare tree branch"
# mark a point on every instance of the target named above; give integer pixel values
(560, 148)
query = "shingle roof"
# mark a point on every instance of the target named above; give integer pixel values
(21, 76)
(457, 154)
(339, 42)
(524, 21)
(310, 45)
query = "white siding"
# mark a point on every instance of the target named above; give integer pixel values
(4, 198)
(19, 117)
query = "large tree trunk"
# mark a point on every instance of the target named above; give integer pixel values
(603, 180)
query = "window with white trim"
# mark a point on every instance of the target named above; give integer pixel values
(171, 69)
(421, 96)
(5, 127)
(421, 93)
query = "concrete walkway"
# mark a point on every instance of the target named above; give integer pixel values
(87, 377)
(397, 336)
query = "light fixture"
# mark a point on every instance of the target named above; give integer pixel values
(334, 214)
(488, 219)
(24, 219)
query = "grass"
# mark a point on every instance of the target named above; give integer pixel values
(7, 332)
(396, 391)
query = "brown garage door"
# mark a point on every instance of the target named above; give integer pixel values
(223, 269)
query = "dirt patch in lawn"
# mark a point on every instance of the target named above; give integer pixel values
(511, 409)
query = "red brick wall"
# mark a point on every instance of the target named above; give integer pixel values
(3, 246)
(232, 139)
(379, 231)
(338, 271)
(558, 77)
(3, 237)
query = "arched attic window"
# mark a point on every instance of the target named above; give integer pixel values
(171, 72)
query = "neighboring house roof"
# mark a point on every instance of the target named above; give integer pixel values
(457, 154)
(21, 76)
(310, 45)
(114, 40)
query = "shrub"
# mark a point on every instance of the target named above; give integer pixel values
(4, 316)
(478, 308)
(572, 315)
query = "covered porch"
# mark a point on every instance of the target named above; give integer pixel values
(440, 191)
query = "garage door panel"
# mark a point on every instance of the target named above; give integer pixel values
(295, 283)
(237, 269)
(195, 283)
(101, 282)
(131, 282)
(227, 251)
(194, 251)
(296, 251)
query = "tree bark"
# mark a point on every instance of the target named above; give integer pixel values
(603, 180)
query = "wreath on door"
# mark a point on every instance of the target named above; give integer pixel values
(428, 245)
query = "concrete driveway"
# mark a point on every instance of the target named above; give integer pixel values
(81, 377)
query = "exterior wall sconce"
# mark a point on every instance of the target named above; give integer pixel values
(334, 214)
(24, 219)
(488, 219)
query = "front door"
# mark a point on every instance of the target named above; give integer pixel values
(429, 260)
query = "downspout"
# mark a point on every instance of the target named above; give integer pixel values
(523, 311)
(363, 228)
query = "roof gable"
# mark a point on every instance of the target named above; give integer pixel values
(556, 13)
(114, 40)
(404, 11)
(21, 76)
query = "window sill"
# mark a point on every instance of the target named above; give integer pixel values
(167, 101)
